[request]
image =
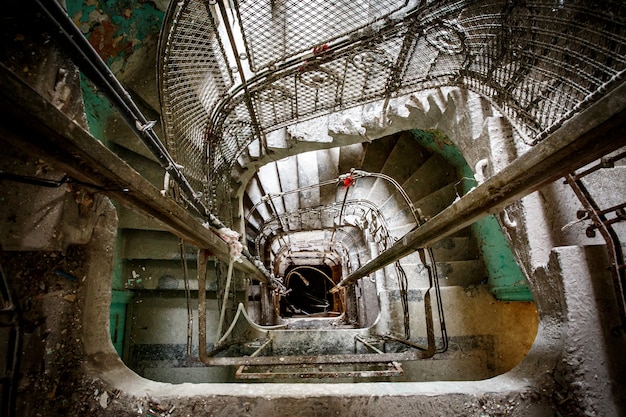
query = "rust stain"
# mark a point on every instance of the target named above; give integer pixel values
(103, 38)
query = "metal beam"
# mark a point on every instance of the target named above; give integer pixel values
(599, 129)
(33, 124)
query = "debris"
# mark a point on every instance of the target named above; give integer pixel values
(104, 399)
(65, 275)
(52, 393)
(70, 297)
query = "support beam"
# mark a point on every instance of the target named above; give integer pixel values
(33, 124)
(596, 131)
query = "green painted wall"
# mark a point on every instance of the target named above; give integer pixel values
(116, 29)
(506, 280)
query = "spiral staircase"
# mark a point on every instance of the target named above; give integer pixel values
(333, 210)
(351, 201)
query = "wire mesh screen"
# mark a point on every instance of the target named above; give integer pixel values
(539, 61)
(194, 75)
(274, 30)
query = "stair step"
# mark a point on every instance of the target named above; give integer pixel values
(376, 153)
(254, 223)
(350, 156)
(401, 230)
(429, 178)
(328, 162)
(432, 175)
(277, 139)
(129, 219)
(255, 191)
(430, 205)
(268, 175)
(153, 274)
(436, 202)
(308, 175)
(398, 165)
(254, 150)
(151, 244)
(358, 191)
(287, 169)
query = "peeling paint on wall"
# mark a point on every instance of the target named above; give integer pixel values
(116, 29)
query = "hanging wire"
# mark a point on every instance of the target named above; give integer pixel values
(403, 284)
(181, 244)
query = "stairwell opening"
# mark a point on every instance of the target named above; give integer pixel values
(461, 344)
(309, 293)
(312, 229)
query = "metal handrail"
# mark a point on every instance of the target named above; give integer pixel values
(593, 133)
(95, 68)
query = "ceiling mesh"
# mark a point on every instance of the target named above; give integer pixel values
(539, 61)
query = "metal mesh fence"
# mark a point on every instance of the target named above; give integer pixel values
(194, 75)
(276, 30)
(539, 61)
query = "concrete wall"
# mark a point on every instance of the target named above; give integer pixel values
(566, 347)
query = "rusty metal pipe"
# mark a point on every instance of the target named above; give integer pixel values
(33, 124)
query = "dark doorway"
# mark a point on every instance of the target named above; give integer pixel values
(309, 292)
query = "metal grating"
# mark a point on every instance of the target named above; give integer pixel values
(194, 75)
(538, 61)
(275, 31)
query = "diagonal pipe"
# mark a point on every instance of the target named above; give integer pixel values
(35, 125)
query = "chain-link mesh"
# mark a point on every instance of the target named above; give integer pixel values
(539, 61)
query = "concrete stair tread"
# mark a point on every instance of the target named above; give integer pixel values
(429, 206)
(327, 168)
(428, 179)
(350, 156)
(453, 273)
(433, 174)
(376, 153)
(398, 165)
(152, 244)
(308, 174)
(129, 219)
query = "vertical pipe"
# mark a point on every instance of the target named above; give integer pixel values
(202, 268)
(225, 298)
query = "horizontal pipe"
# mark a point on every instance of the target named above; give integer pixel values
(344, 359)
(92, 65)
(596, 131)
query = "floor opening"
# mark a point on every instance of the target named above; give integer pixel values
(309, 294)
